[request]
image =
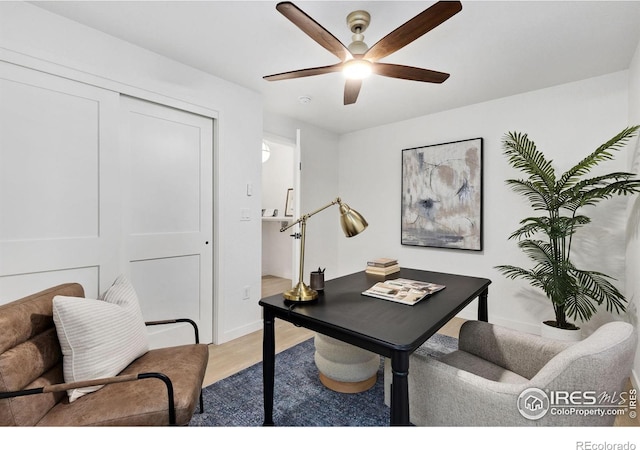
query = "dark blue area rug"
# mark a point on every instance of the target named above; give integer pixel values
(299, 397)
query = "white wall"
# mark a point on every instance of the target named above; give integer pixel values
(318, 186)
(633, 225)
(566, 122)
(36, 38)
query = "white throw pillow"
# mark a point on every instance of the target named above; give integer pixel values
(99, 338)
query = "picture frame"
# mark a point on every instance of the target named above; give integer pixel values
(442, 200)
(288, 208)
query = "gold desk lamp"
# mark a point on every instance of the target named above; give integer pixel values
(352, 224)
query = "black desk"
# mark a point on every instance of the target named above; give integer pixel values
(390, 329)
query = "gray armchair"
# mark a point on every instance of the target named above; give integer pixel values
(481, 383)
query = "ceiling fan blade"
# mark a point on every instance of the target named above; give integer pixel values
(313, 29)
(426, 21)
(304, 72)
(351, 91)
(409, 73)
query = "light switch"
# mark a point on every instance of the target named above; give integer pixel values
(249, 189)
(245, 214)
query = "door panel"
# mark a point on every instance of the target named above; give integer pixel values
(168, 158)
(93, 184)
(173, 299)
(59, 198)
(165, 183)
(61, 158)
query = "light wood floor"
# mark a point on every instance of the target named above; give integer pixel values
(234, 356)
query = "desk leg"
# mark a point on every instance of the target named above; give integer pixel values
(400, 389)
(268, 365)
(483, 313)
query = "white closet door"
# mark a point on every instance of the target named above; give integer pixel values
(59, 200)
(167, 204)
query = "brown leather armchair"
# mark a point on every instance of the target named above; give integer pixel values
(162, 387)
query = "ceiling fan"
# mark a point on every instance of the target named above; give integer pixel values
(358, 60)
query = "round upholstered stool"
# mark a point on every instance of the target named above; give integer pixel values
(344, 367)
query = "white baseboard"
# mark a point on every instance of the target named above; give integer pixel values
(504, 322)
(239, 332)
(517, 325)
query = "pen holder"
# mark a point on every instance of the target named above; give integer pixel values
(317, 281)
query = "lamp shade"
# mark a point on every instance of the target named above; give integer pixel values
(352, 221)
(266, 151)
(357, 69)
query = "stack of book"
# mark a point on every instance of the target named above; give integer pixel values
(382, 266)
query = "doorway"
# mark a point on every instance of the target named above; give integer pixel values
(280, 192)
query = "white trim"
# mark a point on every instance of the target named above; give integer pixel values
(471, 314)
(239, 332)
(218, 292)
(83, 76)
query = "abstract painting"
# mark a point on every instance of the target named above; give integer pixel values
(442, 195)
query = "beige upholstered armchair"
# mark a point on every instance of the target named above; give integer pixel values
(501, 377)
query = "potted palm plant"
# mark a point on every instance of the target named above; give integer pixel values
(546, 239)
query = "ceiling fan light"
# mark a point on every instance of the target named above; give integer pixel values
(266, 151)
(357, 69)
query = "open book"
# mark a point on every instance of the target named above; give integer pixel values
(402, 290)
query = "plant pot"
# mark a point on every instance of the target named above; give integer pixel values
(560, 334)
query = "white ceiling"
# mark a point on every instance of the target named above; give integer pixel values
(492, 49)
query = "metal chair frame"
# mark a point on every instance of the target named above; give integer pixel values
(60, 387)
